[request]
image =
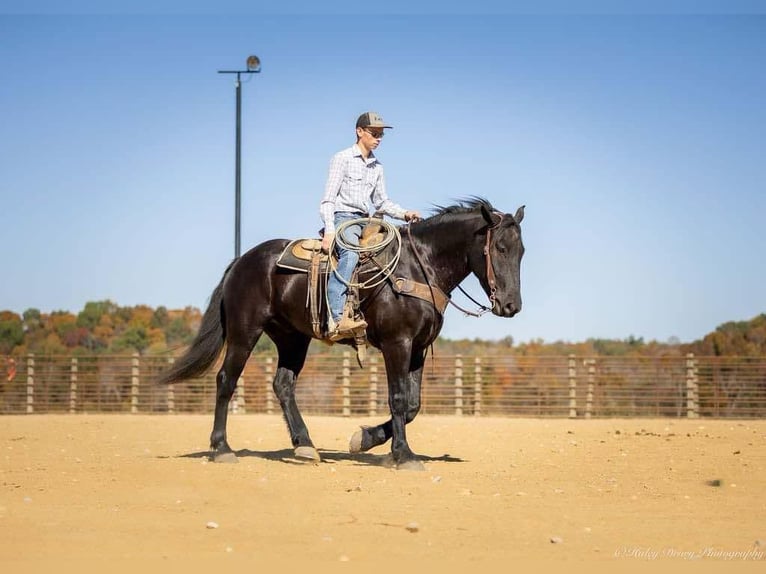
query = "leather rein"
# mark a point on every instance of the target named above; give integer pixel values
(491, 278)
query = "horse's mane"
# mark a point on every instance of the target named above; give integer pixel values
(471, 204)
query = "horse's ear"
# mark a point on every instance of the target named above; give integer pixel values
(519, 214)
(487, 215)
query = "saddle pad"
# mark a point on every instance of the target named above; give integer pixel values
(297, 255)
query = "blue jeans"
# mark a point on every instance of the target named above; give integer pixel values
(347, 260)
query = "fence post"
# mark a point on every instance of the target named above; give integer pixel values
(346, 384)
(73, 386)
(696, 381)
(239, 401)
(30, 383)
(269, 377)
(458, 386)
(477, 386)
(171, 398)
(134, 382)
(591, 382)
(572, 388)
(692, 404)
(373, 410)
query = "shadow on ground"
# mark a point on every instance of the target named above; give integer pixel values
(287, 456)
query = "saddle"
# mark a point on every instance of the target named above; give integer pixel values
(298, 254)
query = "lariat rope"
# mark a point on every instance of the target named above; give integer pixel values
(391, 234)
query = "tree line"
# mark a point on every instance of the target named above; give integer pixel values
(731, 339)
(103, 327)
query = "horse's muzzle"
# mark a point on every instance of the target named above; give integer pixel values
(507, 310)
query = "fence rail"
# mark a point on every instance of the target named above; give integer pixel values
(568, 386)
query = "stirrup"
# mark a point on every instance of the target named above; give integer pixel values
(355, 333)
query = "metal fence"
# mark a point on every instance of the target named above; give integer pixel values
(551, 386)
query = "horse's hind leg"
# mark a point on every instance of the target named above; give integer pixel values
(226, 383)
(292, 350)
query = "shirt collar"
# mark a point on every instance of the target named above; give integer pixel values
(358, 153)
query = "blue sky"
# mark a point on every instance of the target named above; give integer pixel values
(634, 140)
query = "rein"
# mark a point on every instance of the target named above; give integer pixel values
(491, 278)
(483, 308)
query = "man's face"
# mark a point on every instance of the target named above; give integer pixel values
(370, 137)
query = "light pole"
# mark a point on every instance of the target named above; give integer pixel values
(253, 67)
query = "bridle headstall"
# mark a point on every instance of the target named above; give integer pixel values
(490, 270)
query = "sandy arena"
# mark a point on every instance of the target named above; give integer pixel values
(86, 489)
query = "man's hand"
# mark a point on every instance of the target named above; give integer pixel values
(327, 242)
(411, 216)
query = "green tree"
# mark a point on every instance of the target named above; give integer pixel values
(178, 332)
(11, 332)
(161, 318)
(135, 338)
(32, 319)
(91, 314)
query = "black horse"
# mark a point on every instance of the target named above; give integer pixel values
(255, 296)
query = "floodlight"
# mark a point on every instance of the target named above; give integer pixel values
(253, 64)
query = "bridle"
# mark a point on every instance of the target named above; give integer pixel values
(491, 278)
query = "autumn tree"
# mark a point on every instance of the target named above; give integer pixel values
(740, 338)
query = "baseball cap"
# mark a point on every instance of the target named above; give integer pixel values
(371, 120)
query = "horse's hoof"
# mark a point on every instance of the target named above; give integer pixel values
(355, 444)
(307, 454)
(413, 464)
(225, 458)
(387, 461)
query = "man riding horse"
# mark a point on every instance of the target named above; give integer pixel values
(403, 313)
(354, 185)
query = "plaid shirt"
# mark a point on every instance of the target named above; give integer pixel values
(355, 185)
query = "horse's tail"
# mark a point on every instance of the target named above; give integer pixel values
(207, 344)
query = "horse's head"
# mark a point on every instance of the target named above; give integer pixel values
(498, 264)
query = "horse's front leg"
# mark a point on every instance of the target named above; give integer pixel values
(369, 437)
(398, 368)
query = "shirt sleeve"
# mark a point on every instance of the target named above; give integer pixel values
(381, 202)
(332, 187)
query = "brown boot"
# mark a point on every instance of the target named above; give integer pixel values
(345, 328)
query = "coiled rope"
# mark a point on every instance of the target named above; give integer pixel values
(391, 234)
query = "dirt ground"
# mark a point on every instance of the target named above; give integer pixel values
(86, 489)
